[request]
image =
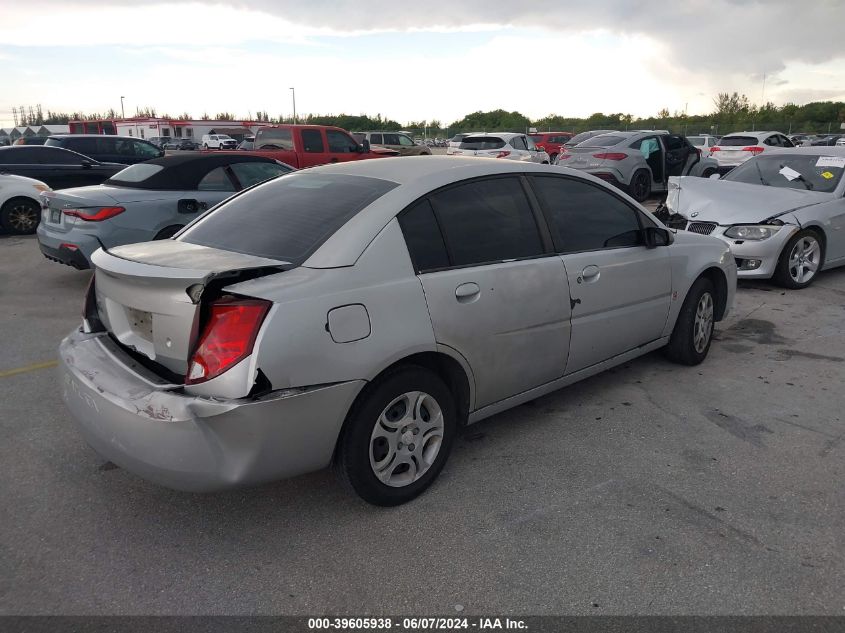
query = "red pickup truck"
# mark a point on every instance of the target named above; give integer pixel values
(551, 142)
(309, 145)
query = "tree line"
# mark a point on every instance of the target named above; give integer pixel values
(731, 112)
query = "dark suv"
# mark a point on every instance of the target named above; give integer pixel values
(107, 148)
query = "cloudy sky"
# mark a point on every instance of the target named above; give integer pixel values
(435, 59)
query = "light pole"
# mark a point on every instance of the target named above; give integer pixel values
(293, 96)
(122, 113)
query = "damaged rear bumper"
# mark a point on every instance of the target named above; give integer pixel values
(156, 431)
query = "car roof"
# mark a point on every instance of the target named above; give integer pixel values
(184, 173)
(47, 148)
(417, 176)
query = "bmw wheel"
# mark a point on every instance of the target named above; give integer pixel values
(397, 437)
(800, 261)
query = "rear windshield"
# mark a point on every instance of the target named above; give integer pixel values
(137, 173)
(697, 140)
(289, 218)
(738, 141)
(604, 140)
(482, 142)
(791, 171)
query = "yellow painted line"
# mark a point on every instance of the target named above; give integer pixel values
(22, 370)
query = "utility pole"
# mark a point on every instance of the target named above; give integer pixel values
(293, 96)
(122, 113)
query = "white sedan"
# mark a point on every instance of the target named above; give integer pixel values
(20, 210)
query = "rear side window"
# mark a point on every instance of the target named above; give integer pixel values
(289, 218)
(376, 138)
(737, 141)
(487, 221)
(584, 217)
(272, 138)
(312, 141)
(518, 142)
(482, 142)
(137, 173)
(423, 237)
(391, 139)
(21, 155)
(216, 180)
(249, 174)
(85, 146)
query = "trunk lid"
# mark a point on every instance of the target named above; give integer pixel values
(582, 157)
(54, 202)
(149, 296)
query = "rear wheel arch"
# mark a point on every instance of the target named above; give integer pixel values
(444, 366)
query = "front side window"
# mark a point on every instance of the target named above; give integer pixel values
(312, 141)
(145, 150)
(216, 180)
(56, 156)
(487, 221)
(249, 174)
(340, 143)
(406, 141)
(585, 217)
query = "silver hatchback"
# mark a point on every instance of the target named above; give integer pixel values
(358, 315)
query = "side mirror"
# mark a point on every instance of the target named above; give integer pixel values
(714, 176)
(655, 236)
(189, 205)
(365, 145)
(87, 164)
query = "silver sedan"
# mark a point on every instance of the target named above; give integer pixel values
(358, 314)
(782, 213)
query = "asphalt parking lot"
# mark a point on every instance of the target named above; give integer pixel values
(649, 489)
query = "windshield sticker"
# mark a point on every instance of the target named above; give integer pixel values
(827, 175)
(831, 161)
(789, 173)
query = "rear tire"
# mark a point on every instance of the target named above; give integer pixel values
(693, 333)
(640, 187)
(168, 232)
(800, 261)
(205, 146)
(20, 216)
(708, 172)
(553, 159)
(397, 437)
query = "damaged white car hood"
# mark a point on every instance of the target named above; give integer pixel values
(725, 202)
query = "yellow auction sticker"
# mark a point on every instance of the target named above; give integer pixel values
(827, 175)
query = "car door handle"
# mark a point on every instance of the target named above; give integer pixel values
(590, 274)
(467, 293)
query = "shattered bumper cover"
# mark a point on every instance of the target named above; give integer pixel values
(155, 430)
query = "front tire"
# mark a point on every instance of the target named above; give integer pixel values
(693, 333)
(205, 146)
(800, 261)
(20, 216)
(397, 437)
(640, 187)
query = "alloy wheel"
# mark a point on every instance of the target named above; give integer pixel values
(804, 259)
(22, 218)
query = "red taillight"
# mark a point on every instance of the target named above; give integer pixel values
(715, 149)
(100, 214)
(228, 337)
(753, 149)
(611, 156)
(502, 154)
